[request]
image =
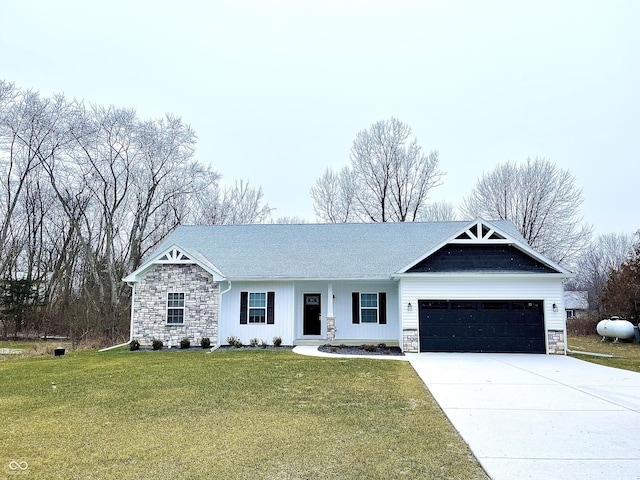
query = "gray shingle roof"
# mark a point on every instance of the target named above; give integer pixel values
(574, 300)
(355, 250)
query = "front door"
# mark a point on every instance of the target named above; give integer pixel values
(311, 321)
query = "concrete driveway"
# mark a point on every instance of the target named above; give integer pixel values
(539, 416)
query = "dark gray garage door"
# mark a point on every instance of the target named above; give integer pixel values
(482, 326)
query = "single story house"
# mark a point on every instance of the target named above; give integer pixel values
(437, 286)
(576, 303)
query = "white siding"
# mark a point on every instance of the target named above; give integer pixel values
(346, 329)
(283, 313)
(548, 289)
(289, 311)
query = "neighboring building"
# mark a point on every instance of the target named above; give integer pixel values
(576, 303)
(442, 286)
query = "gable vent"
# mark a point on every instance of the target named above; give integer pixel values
(175, 256)
(479, 233)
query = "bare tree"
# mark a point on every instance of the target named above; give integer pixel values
(334, 196)
(605, 254)
(29, 132)
(438, 212)
(235, 205)
(542, 201)
(621, 294)
(388, 179)
(165, 176)
(289, 220)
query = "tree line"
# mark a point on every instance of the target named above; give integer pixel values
(86, 192)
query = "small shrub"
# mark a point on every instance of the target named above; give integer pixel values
(334, 349)
(134, 345)
(583, 326)
(382, 345)
(205, 342)
(157, 344)
(342, 345)
(369, 348)
(277, 341)
(254, 342)
(263, 344)
(234, 341)
(185, 343)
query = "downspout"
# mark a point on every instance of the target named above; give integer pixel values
(220, 314)
(133, 293)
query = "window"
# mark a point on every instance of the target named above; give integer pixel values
(257, 307)
(571, 314)
(175, 308)
(369, 307)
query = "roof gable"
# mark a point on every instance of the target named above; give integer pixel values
(509, 250)
(175, 255)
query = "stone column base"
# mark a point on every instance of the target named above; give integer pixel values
(410, 340)
(556, 342)
(331, 328)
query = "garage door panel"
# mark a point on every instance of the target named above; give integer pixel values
(481, 326)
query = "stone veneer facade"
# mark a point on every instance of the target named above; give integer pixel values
(556, 342)
(201, 305)
(331, 328)
(410, 340)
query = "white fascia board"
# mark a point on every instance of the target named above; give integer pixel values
(195, 258)
(309, 279)
(488, 275)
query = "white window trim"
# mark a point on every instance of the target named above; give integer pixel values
(376, 308)
(184, 296)
(264, 309)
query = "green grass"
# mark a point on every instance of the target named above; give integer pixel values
(629, 353)
(230, 414)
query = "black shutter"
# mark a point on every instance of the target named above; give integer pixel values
(244, 299)
(271, 301)
(355, 307)
(382, 308)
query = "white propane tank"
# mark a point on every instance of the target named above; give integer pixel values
(615, 328)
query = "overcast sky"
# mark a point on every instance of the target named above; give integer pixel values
(277, 90)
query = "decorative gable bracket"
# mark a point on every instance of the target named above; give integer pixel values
(175, 256)
(480, 232)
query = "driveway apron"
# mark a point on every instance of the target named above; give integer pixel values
(539, 416)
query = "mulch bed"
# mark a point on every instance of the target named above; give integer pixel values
(360, 350)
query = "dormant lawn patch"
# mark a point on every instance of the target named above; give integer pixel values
(229, 414)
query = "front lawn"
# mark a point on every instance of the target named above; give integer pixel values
(229, 414)
(628, 352)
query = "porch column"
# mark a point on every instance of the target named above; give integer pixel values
(331, 320)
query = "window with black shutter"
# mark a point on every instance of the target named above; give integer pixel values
(257, 308)
(369, 307)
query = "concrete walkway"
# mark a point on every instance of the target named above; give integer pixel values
(536, 416)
